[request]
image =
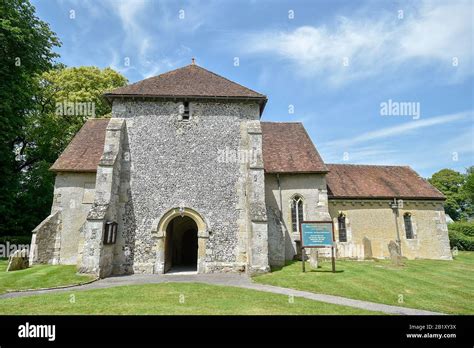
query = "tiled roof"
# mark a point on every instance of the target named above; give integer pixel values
(85, 149)
(287, 148)
(189, 81)
(370, 181)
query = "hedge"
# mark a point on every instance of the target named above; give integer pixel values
(466, 228)
(461, 235)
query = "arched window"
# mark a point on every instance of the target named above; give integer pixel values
(408, 226)
(296, 212)
(341, 224)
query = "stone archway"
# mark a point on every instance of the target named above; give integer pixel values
(163, 247)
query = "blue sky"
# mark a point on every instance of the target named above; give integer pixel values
(328, 64)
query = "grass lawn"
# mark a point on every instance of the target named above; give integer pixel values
(440, 286)
(39, 276)
(165, 299)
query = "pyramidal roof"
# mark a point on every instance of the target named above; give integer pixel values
(190, 81)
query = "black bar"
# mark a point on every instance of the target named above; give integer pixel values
(241, 330)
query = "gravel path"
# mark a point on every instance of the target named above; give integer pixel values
(241, 281)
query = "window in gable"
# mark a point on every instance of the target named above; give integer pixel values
(185, 114)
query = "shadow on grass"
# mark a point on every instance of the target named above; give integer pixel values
(324, 271)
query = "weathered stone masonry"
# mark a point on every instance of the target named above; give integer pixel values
(157, 176)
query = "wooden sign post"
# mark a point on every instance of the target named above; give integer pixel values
(317, 234)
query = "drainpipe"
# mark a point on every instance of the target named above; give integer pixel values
(395, 212)
(281, 215)
(281, 200)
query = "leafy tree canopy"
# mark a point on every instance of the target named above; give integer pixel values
(26, 50)
(459, 192)
(64, 99)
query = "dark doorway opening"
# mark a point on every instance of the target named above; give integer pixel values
(181, 245)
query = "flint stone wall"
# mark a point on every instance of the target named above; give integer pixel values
(174, 163)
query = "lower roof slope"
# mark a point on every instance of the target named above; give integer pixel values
(371, 181)
(287, 148)
(85, 150)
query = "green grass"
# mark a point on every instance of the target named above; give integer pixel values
(435, 285)
(39, 276)
(199, 299)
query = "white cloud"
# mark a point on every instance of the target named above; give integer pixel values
(440, 31)
(375, 147)
(463, 144)
(149, 34)
(433, 33)
(377, 154)
(410, 126)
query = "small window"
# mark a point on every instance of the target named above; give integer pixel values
(296, 213)
(408, 226)
(185, 111)
(341, 223)
(110, 235)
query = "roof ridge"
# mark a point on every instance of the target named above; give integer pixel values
(283, 122)
(370, 165)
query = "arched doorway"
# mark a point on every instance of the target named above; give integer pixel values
(181, 245)
(160, 231)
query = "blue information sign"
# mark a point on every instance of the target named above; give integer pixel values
(316, 234)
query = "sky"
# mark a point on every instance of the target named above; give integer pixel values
(373, 82)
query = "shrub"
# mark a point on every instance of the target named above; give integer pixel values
(466, 228)
(461, 235)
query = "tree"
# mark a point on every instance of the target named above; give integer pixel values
(64, 99)
(468, 189)
(26, 50)
(452, 184)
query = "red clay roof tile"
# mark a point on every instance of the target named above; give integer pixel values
(371, 181)
(85, 149)
(189, 81)
(287, 148)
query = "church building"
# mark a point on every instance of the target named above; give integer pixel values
(186, 176)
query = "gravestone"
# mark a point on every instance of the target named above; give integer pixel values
(395, 256)
(18, 260)
(367, 248)
(313, 258)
